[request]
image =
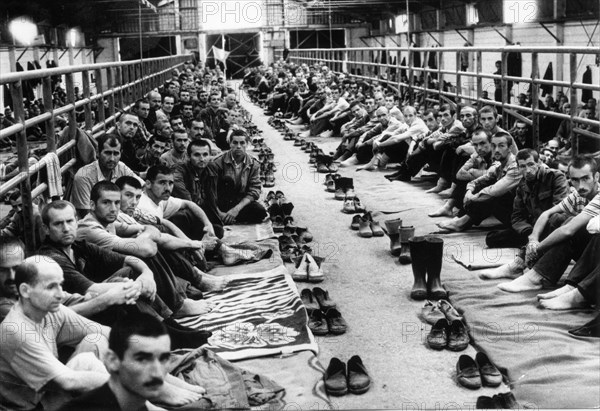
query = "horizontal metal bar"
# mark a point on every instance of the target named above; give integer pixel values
(508, 49)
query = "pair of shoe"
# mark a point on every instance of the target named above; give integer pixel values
(426, 254)
(322, 322)
(475, 373)
(330, 181)
(369, 228)
(340, 379)
(399, 239)
(279, 213)
(353, 205)
(344, 188)
(451, 335)
(316, 299)
(504, 400)
(432, 312)
(309, 268)
(275, 197)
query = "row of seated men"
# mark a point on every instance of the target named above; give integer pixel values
(134, 239)
(550, 210)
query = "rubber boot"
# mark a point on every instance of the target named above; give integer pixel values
(392, 228)
(405, 234)
(435, 253)
(418, 252)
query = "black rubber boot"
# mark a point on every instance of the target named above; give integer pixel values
(435, 254)
(418, 252)
(405, 234)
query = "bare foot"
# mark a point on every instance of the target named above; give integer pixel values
(528, 281)
(442, 212)
(510, 270)
(446, 193)
(443, 224)
(566, 301)
(213, 282)
(191, 307)
(173, 396)
(368, 167)
(555, 293)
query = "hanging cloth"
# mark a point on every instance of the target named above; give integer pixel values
(547, 88)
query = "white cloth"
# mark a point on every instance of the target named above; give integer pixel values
(593, 226)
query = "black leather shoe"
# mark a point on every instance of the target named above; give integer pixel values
(323, 299)
(438, 336)
(335, 321)
(490, 375)
(467, 373)
(317, 323)
(507, 400)
(458, 338)
(590, 329)
(335, 378)
(485, 403)
(358, 378)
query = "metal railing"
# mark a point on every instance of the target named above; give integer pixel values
(361, 60)
(119, 83)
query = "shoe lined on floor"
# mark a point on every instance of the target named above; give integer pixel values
(418, 255)
(467, 373)
(449, 311)
(336, 323)
(349, 207)
(490, 375)
(301, 272)
(309, 300)
(431, 313)
(359, 381)
(376, 229)
(364, 228)
(458, 337)
(355, 225)
(322, 298)
(335, 378)
(317, 323)
(315, 272)
(438, 336)
(435, 252)
(406, 233)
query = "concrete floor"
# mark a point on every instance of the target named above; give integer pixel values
(370, 287)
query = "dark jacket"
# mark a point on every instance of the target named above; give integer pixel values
(199, 186)
(531, 200)
(100, 399)
(249, 184)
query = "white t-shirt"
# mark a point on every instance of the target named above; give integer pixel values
(164, 208)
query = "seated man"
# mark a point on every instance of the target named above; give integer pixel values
(214, 118)
(178, 154)
(550, 257)
(492, 193)
(397, 146)
(152, 154)
(108, 167)
(363, 149)
(238, 183)
(133, 145)
(101, 228)
(475, 167)
(157, 200)
(194, 181)
(353, 129)
(138, 354)
(32, 376)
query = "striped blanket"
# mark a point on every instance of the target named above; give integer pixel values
(257, 315)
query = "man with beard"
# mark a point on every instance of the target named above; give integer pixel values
(137, 359)
(178, 154)
(108, 167)
(177, 124)
(133, 145)
(494, 192)
(141, 109)
(152, 155)
(238, 183)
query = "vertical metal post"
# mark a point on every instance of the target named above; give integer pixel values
(109, 86)
(535, 96)
(85, 77)
(100, 102)
(12, 58)
(458, 80)
(49, 108)
(573, 100)
(411, 80)
(16, 91)
(478, 65)
(504, 86)
(71, 100)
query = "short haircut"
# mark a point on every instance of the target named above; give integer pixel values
(168, 96)
(480, 130)
(179, 133)
(581, 161)
(154, 171)
(55, 205)
(447, 107)
(27, 272)
(160, 123)
(354, 104)
(198, 143)
(158, 137)
(525, 153)
(7, 243)
(112, 139)
(128, 180)
(239, 132)
(126, 326)
(14, 196)
(177, 117)
(489, 109)
(504, 134)
(102, 186)
(139, 102)
(126, 113)
(429, 111)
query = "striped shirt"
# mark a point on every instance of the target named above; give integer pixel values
(574, 204)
